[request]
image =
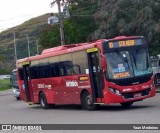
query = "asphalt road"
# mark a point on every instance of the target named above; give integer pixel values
(19, 112)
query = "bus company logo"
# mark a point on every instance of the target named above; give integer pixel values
(145, 86)
(48, 86)
(73, 83)
(136, 88)
(43, 86)
(127, 90)
(20, 127)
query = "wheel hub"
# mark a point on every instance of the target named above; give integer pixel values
(89, 100)
(42, 102)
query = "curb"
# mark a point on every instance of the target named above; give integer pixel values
(157, 91)
(6, 92)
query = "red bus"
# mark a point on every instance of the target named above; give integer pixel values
(106, 71)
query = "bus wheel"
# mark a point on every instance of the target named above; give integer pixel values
(127, 104)
(43, 101)
(87, 101)
(18, 98)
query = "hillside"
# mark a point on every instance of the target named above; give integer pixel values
(32, 28)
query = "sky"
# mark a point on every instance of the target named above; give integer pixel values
(15, 12)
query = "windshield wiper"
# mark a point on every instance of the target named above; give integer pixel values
(119, 54)
(124, 59)
(134, 60)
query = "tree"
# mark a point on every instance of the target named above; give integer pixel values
(77, 28)
(50, 37)
(95, 19)
(1, 60)
(121, 17)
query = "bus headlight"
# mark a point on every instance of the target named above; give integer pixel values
(114, 91)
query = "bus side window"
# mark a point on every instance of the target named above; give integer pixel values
(47, 70)
(76, 69)
(55, 72)
(69, 68)
(32, 72)
(56, 68)
(66, 68)
(62, 70)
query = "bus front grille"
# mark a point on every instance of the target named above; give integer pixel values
(136, 94)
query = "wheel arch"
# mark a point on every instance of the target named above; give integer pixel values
(81, 94)
(39, 95)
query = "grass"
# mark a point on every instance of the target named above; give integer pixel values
(5, 84)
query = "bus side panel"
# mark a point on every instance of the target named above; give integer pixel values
(62, 91)
(22, 91)
(47, 86)
(80, 82)
(69, 89)
(49, 96)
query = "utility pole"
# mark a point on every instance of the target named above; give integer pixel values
(28, 46)
(60, 21)
(37, 47)
(15, 49)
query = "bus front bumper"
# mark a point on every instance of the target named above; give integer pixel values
(110, 97)
(16, 92)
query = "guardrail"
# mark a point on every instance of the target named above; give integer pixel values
(4, 76)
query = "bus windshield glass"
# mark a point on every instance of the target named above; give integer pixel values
(14, 78)
(127, 63)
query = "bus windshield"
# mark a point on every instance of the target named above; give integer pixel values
(14, 79)
(127, 64)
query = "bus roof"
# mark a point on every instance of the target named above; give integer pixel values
(61, 50)
(124, 37)
(71, 48)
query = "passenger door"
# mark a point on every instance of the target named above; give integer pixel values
(27, 87)
(95, 71)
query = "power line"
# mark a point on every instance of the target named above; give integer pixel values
(22, 16)
(16, 17)
(22, 25)
(82, 14)
(87, 7)
(18, 39)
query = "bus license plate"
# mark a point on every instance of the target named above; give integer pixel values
(137, 95)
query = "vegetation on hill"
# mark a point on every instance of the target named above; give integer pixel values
(32, 28)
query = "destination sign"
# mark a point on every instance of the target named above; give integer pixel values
(121, 75)
(125, 43)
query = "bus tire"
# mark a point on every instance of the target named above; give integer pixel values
(18, 98)
(43, 101)
(127, 104)
(87, 101)
(156, 77)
